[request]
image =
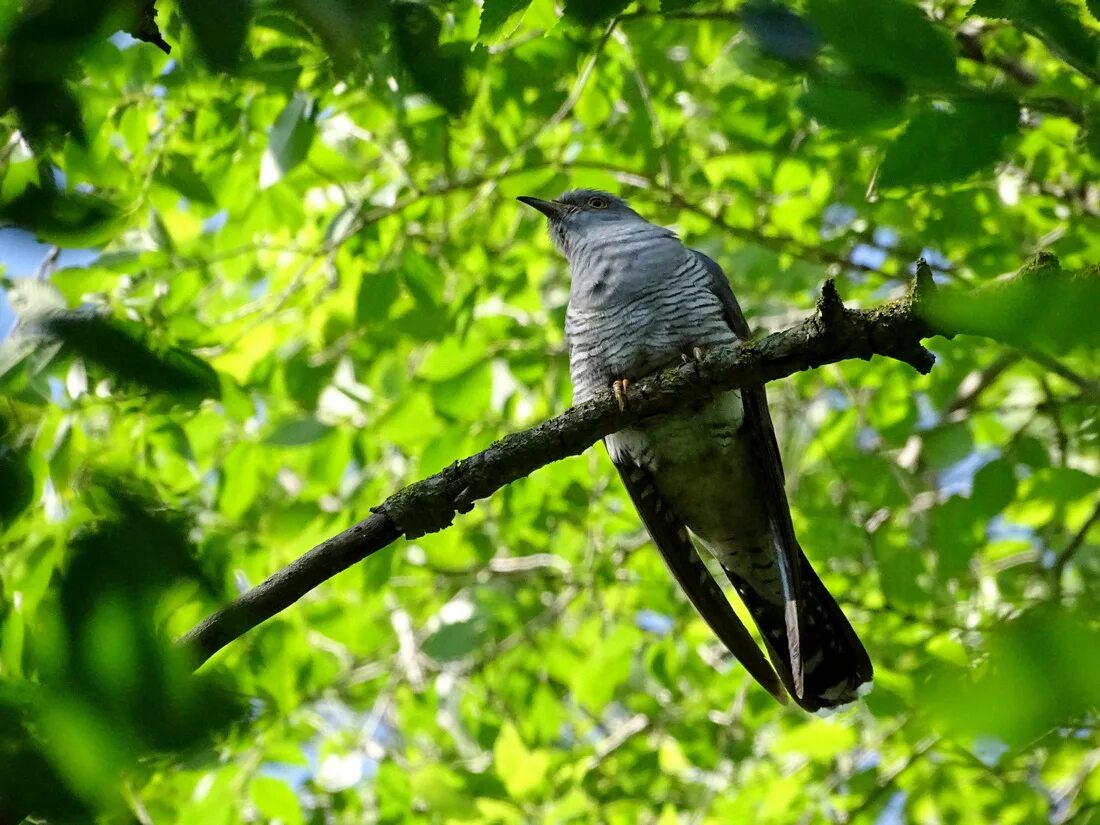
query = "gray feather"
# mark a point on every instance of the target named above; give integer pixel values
(639, 301)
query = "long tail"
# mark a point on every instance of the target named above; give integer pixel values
(835, 663)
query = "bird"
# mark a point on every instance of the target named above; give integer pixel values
(642, 301)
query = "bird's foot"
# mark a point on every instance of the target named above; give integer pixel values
(695, 356)
(619, 386)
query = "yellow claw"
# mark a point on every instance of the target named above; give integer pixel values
(619, 388)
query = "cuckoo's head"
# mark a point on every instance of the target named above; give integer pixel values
(581, 213)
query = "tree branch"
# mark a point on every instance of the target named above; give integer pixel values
(145, 26)
(833, 333)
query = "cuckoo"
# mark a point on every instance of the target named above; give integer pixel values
(641, 301)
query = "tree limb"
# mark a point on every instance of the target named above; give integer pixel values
(145, 26)
(833, 333)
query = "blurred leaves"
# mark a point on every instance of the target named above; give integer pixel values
(17, 481)
(220, 28)
(1041, 306)
(41, 51)
(289, 141)
(436, 69)
(590, 12)
(122, 351)
(523, 771)
(889, 37)
(498, 16)
(1057, 23)
(1038, 677)
(779, 31)
(947, 144)
(70, 219)
(289, 278)
(113, 687)
(853, 102)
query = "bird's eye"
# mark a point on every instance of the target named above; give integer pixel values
(597, 203)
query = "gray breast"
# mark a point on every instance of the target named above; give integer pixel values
(637, 321)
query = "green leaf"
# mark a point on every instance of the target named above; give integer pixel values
(48, 111)
(71, 219)
(780, 32)
(1056, 22)
(178, 171)
(276, 800)
(1090, 131)
(1063, 484)
(377, 292)
(17, 482)
(820, 740)
(957, 530)
(455, 640)
(298, 432)
(465, 396)
(853, 102)
(890, 37)
(220, 28)
(1035, 678)
(523, 771)
(289, 140)
(423, 279)
(994, 486)
(590, 12)
(1040, 308)
(945, 445)
(499, 18)
(42, 44)
(901, 570)
(949, 145)
(29, 782)
(443, 792)
(438, 71)
(121, 351)
(605, 669)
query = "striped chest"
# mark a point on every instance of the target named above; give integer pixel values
(646, 331)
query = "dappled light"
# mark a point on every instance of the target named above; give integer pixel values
(297, 523)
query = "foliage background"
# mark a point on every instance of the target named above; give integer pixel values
(304, 283)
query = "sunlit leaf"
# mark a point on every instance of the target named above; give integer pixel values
(498, 17)
(1058, 22)
(523, 771)
(289, 140)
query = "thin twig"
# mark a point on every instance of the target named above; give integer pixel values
(1074, 544)
(1090, 388)
(887, 782)
(660, 144)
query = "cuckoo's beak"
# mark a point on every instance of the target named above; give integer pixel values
(551, 209)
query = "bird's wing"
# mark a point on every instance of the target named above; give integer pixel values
(768, 469)
(671, 538)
